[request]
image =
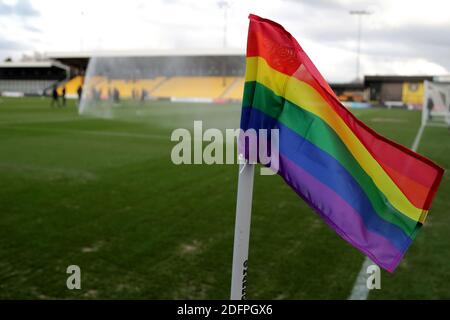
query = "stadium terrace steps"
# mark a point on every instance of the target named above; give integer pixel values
(235, 90)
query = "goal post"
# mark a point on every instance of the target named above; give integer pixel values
(436, 104)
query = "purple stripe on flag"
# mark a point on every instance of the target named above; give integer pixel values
(340, 216)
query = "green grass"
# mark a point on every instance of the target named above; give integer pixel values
(103, 194)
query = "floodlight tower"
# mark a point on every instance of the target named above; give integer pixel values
(81, 29)
(223, 4)
(359, 14)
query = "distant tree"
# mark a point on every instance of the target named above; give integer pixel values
(8, 59)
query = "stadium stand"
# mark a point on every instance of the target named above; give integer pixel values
(198, 74)
(204, 75)
(173, 87)
(25, 87)
(30, 78)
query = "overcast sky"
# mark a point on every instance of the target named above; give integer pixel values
(399, 37)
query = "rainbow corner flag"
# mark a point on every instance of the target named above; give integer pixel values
(372, 191)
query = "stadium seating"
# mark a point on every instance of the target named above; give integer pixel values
(193, 87)
(125, 87)
(179, 87)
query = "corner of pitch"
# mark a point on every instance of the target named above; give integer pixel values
(211, 147)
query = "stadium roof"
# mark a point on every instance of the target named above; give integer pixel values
(396, 78)
(30, 64)
(147, 53)
(79, 59)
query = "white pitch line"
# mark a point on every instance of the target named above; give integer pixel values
(360, 290)
(417, 139)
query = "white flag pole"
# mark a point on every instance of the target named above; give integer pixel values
(242, 231)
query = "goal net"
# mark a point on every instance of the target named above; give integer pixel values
(436, 104)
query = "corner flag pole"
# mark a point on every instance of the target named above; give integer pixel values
(242, 231)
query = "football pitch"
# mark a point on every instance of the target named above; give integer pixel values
(104, 195)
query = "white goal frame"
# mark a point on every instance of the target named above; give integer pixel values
(436, 104)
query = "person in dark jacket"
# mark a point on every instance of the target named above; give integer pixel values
(80, 93)
(63, 96)
(55, 97)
